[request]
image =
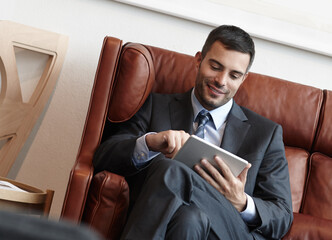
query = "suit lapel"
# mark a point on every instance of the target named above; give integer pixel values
(236, 130)
(181, 112)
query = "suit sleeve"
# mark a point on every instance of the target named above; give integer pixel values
(272, 194)
(115, 154)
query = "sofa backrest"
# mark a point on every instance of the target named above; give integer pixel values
(294, 106)
(143, 69)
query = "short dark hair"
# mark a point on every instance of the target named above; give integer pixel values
(233, 38)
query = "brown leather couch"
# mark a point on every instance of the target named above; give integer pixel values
(124, 78)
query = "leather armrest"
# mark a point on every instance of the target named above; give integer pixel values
(107, 204)
(307, 227)
(77, 190)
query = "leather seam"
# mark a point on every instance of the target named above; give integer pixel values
(115, 208)
(96, 208)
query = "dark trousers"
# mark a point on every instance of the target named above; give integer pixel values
(176, 203)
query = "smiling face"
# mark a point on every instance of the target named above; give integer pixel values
(220, 74)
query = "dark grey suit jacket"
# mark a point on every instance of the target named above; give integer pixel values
(247, 134)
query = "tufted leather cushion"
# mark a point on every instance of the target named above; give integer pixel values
(324, 137)
(139, 68)
(107, 204)
(133, 84)
(283, 102)
(297, 164)
(306, 227)
(317, 201)
(179, 75)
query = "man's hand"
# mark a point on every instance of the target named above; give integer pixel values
(225, 182)
(167, 142)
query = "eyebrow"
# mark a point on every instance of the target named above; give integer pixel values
(220, 65)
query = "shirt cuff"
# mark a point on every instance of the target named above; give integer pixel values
(249, 215)
(142, 154)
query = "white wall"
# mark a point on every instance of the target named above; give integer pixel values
(47, 157)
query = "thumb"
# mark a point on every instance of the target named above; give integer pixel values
(243, 174)
(166, 144)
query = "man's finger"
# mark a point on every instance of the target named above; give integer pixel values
(170, 144)
(225, 170)
(206, 176)
(243, 175)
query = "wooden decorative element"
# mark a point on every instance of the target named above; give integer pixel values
(17, 117)
(30, 201)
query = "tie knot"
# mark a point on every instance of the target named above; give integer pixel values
(203, 117)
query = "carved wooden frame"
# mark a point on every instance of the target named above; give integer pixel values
(17, 117)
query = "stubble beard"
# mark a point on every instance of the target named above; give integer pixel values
(206, 100)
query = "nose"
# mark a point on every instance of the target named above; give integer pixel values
(221, 79)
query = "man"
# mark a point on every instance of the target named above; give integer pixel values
(176, 202)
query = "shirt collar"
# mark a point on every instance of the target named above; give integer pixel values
(219, 115)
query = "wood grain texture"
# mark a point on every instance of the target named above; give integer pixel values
(17, 118)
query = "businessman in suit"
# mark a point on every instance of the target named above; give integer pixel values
(173, 201)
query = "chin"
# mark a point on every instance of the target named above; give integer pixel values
(209, 105)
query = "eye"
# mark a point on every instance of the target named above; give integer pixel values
(214, 67)
(235, 76)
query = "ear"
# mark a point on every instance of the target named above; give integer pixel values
(244, 77)
(198, 59)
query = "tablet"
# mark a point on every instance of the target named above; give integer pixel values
(196, 148)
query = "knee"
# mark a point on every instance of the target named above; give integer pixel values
(171, 176)
(190, 216)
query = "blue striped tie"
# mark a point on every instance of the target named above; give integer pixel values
(202, 118)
